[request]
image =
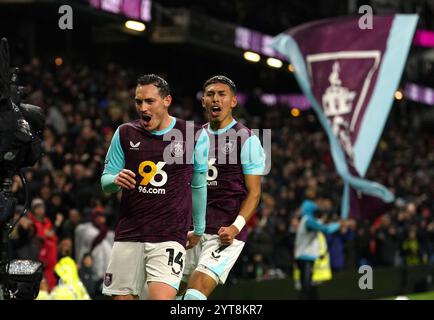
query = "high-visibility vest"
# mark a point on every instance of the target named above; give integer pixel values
(321, 267)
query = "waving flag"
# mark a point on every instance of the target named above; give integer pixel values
(350, 76)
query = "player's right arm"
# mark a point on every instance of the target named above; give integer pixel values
(199, 189)
(115, 176)
(253, 163)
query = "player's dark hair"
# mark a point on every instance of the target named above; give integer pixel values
(221, 79)
(160, 83)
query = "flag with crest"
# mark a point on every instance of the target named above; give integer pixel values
(350, 76)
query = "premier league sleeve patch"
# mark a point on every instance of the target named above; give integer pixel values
(108, 279)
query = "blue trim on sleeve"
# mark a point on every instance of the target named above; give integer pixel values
(115, 159)
(199, 198)
(107, 183)
(253, 156)
(201, 151)
(114, 163)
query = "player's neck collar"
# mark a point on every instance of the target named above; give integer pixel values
(164, 131)
(220, 131)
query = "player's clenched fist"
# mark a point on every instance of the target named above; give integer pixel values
(192, 240)
(227, 234)
(125, 179)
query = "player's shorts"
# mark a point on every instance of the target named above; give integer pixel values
(209, 256)
(133, 263)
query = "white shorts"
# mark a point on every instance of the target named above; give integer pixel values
(134, 263)
(211, 258)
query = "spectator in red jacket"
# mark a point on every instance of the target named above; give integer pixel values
(48, 239)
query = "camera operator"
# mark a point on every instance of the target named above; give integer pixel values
(20, 146)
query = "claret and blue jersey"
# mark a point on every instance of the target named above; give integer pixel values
(159, 207)
(234, 152)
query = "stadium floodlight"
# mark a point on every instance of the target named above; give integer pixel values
(135, 25)
(274, 63)
(295, 112)
(58, 61)
(398, 95)
(252, 56)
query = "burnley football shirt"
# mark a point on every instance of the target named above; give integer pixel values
(234, 152)
(159, 208)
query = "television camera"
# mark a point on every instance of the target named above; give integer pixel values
(21, 128)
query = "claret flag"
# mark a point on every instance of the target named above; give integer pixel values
(350, 76)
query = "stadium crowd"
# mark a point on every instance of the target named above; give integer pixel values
(70, 215)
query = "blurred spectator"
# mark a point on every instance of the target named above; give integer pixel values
(56, 206)
(261, 247)
(386, 243)
(23, 242)
(95, 238)
(89, 277)
(282, 248)
(48, 239)
(362, 245)
(65, 248)
(69, 286)
(44, 291)
(67, 228)
(336, 244)
(411, 249)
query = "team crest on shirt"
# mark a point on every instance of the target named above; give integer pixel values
(177, 148)
(108, 279)
(228, 146)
